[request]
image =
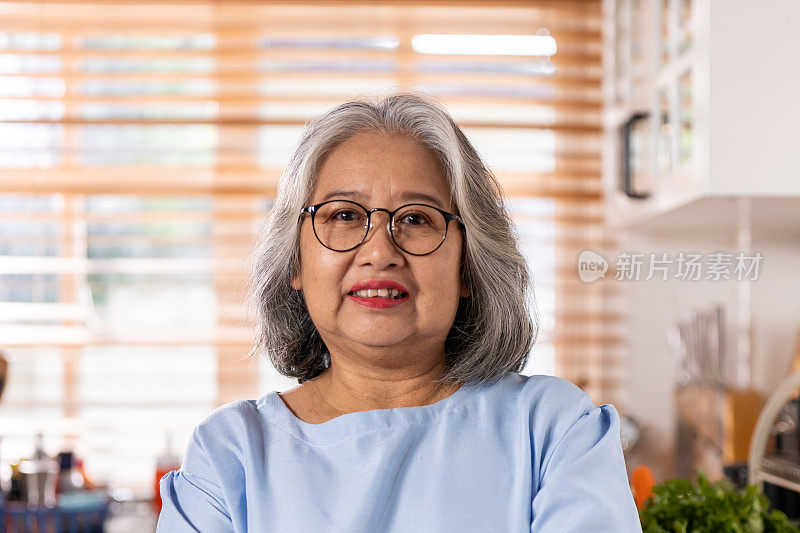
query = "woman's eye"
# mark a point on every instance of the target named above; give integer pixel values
(345, 215)
(413, 219)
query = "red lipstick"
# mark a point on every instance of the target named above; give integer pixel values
(377, 284)
(378, 302)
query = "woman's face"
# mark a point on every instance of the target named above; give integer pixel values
(381, 170)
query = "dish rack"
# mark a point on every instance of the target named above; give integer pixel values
(18, 518)
(782, 470)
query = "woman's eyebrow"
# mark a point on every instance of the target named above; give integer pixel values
(338, 193)
(410, 196)
(406, 197)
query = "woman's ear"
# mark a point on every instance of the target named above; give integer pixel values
(295, 281)
(464, 290)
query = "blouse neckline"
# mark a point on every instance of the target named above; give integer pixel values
(360, 422)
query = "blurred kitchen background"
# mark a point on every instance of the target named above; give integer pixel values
(648, 150)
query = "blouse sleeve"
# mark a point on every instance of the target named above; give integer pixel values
(191, 500)
(584, 484)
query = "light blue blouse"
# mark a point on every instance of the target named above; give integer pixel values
(523, 454)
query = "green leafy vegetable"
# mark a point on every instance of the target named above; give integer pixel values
(679, 506)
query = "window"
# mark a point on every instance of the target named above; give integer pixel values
(141, 143)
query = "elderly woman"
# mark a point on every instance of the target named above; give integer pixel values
(389, 282)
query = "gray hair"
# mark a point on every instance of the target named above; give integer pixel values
(493, 330)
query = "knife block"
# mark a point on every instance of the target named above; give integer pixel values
(715, 426)
(740, 413)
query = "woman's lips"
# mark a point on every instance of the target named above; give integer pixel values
(377, 302)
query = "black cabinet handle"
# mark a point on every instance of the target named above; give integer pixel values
(626, 184)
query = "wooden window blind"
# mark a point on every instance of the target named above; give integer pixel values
(141, 144)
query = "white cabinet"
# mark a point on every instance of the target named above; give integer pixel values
(710, 93)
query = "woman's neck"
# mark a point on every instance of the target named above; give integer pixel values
(340, 390)
(346, 391)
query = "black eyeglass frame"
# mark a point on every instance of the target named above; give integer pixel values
(312, 210)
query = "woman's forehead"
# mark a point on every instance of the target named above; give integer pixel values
(409, 196)
(379, 191)
(373, 167)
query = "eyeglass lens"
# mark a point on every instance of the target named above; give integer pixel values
(341, 225)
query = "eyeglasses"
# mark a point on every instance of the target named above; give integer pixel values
(342, 225)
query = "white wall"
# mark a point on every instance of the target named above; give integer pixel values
(655, 305)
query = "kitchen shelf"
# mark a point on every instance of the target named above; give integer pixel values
(772, 218)
(781, 470)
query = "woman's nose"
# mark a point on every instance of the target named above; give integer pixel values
(378, 247)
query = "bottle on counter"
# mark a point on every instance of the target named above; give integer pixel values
(17, 489)
(167, 462)
(87, 483)
(40, 475)
(69, 478)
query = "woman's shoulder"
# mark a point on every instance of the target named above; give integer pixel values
(547, 404)
(551, 407)
(543, 392)
(232, 423)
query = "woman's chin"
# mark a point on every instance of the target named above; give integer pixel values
(383, 339)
